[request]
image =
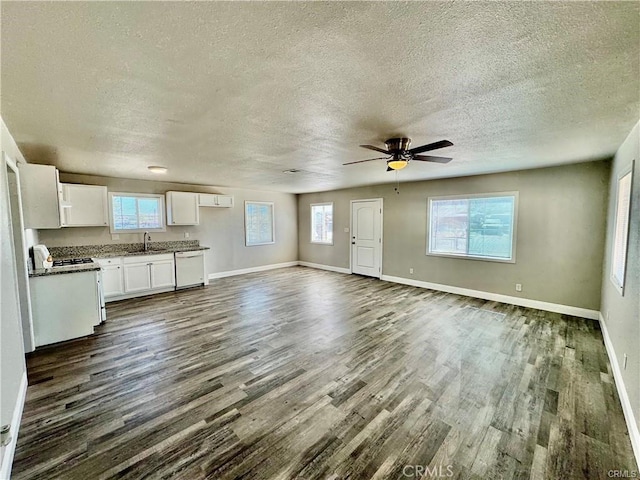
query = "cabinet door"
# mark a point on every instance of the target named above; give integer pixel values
(112, 280)
(87, 205)
(225, 201)
(182, 208)
(40, 196)
(163, 274)
(136, 277)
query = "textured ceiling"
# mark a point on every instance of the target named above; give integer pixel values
(232, 94)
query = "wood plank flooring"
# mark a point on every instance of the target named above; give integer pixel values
(307, 374)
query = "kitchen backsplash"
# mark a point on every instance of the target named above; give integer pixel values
(90, 250)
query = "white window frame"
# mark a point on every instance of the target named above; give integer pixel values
(163, 213)
(323, 204)
(273, 223)
(514, 194)
(618, 283)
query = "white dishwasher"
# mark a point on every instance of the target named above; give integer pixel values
(189, 269)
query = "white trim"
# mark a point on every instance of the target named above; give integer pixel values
(632, 425)
(143, 293)
(242, 271)
(497, 297)
(319, 266)
(9, 450)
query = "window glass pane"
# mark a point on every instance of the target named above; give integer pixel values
(491, 226)
(475, 227)
(136, 213)
(259, 223)
(621, 232)
(148, 213)
(449, 226)
(322, 223)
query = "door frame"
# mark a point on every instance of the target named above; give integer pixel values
(381, 231)
(20, 255)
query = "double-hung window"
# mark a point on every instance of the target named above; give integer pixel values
(136, 212)
(481, 227)
(259, 226)
(322, 223)
(621, 230)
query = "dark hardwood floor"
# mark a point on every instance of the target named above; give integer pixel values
(307, 374)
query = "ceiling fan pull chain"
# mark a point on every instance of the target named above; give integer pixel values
(397, 188)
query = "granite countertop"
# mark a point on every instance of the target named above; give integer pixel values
(152, 251)
(83, 267)
(124, 249)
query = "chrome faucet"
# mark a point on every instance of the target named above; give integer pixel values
(147, 240)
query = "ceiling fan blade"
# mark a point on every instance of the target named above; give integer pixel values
(367, 160)
(431, 146)
(430, 158)
(389, 169)
(371, 147)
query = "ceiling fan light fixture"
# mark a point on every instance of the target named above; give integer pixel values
(397, 164)
(157, 169)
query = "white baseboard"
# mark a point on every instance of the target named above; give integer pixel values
(632, 425)
(319, 266)
(497, 297)
(9, 450)
(261, 268)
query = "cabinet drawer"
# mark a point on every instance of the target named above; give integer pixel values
(148, 258)
(106, 262)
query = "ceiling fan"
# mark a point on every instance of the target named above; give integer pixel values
(399, 154)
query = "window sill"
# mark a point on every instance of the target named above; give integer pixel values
(470, 257)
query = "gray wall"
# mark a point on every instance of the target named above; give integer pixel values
(222, 229)
(560, 235)
(622, 313)
(12, 363)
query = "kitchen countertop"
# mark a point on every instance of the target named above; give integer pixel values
(83, 267)
(152, 251)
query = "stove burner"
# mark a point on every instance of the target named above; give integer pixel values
(71, 261)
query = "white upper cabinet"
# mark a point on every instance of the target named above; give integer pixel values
(40, 190)
(182, 208)
(85, 206)
(211, 200)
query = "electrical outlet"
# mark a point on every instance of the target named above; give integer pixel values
(115, 236)
(624, 362)
(346, 229)
(186, 234)
(518, 287)
(411, 270)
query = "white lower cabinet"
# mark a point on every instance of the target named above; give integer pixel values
(163, 274)
(124, 277)
(137, 277)
(112, 277)
(56, 316)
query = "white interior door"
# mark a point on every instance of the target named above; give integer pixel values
(366, 237)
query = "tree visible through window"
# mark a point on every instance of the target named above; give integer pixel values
(322, 223)
(132, 212)
(474, 226)
(259, 223)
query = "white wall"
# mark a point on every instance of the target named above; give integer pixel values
(560, 233)
(621, 313)
(221, 229)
